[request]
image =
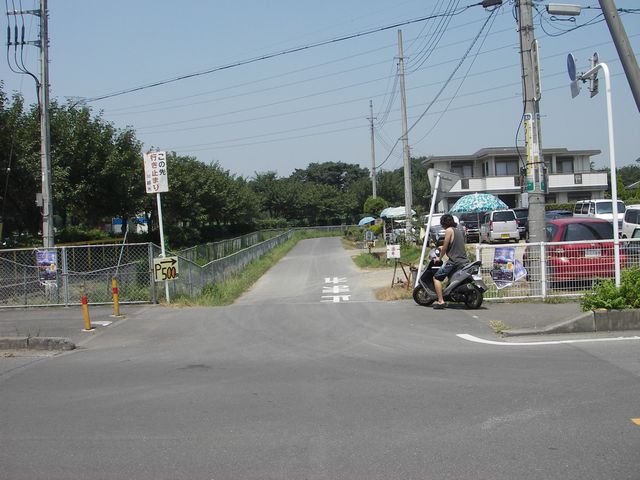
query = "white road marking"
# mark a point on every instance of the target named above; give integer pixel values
(335, 280)
(336, 298)
(471, 338)
(336, 289)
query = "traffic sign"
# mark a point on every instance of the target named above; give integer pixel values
(165, 268)
(155, 172)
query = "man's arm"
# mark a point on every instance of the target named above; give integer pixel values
(448, 238)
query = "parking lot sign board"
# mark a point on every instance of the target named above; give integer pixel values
(165, 268)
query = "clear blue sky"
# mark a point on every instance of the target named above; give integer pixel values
(312, 106)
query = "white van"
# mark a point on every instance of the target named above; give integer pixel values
(499, 226)
(599, 209)
(631, 221)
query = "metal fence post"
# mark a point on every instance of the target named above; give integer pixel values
(152, 283)
(543, 270)
(65, 276)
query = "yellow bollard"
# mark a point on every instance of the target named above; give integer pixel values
(116, 303)
(85, 311)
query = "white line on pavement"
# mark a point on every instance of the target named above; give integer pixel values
(471, 338)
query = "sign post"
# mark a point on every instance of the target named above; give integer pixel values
(441, 183)
(157, 181)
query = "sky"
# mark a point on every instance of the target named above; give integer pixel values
(276, 85)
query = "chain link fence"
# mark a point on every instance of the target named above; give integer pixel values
(61, 275)
(544, 270)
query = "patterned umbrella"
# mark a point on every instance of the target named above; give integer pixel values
(478, 202)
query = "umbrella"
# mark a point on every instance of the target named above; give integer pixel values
(478, 202)
(395, 212)
(365, 220)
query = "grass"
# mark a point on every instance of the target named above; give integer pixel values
(228, 291)
(498, 326)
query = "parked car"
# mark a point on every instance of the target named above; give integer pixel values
(471, 224)
(599, 209)
(630, 221)
(553, 214)
(436, 234)
(499, 226)
(581, 258)
(522, 214)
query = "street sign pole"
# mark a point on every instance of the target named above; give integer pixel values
(157, 181)
(591, 75)
(162, 249)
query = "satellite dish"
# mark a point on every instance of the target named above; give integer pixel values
(571, 67)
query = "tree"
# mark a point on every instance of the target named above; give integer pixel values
(339, 175)
(373, 206)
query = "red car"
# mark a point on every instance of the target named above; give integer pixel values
(582, 258)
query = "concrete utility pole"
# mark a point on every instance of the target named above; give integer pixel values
(535, 178)
(373, 151)
(625, 52)
(43, 200)
(45, 137)
(408, 195)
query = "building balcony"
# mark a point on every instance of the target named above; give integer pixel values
(510, 184)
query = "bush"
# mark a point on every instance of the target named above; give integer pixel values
(606, 295)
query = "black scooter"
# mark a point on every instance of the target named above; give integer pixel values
(465, 286)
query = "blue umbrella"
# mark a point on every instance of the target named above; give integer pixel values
(478, 202)
(366, 220)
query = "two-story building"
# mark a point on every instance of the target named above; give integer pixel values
(497, 171)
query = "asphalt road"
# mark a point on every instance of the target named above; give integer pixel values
(307, 376)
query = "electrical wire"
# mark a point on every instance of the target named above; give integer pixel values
(455, 95)
(269, 56)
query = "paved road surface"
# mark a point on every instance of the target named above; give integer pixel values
(301, 379)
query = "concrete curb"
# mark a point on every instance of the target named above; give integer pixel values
(594, 321)
(36, 343)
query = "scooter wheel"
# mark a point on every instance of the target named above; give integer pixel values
(473, 297)
(421, 297)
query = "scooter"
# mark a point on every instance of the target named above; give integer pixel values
(465, 286)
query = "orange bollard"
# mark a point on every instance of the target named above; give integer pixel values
(85, 311)
(116, 303)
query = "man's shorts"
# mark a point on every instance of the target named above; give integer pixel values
(444, 271)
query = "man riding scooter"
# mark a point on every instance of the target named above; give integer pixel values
(454, 248)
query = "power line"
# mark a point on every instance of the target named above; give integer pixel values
(270, 56)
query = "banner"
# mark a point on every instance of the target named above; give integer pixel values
(506, 268)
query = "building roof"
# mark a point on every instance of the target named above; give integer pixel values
(506, 152)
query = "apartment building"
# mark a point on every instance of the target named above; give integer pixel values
(497, 170)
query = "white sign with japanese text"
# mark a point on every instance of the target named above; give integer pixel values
(155, 172)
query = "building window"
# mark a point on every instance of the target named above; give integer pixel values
(464, 170)
(464, 183)
(564, 164)
(507, 166)
(577, 178)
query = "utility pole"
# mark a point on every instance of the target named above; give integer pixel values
(373, 150)
(625, 52)
(408, 196)
(42, 85)
(45, 137)
(535, 170)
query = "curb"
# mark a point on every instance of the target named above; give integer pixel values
(594, 321)
(36, 343)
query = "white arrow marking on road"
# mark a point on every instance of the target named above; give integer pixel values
(471, 338)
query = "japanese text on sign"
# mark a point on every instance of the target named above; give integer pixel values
(155, 172)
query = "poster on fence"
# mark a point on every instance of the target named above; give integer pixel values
(506, 268)
(47, 263)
